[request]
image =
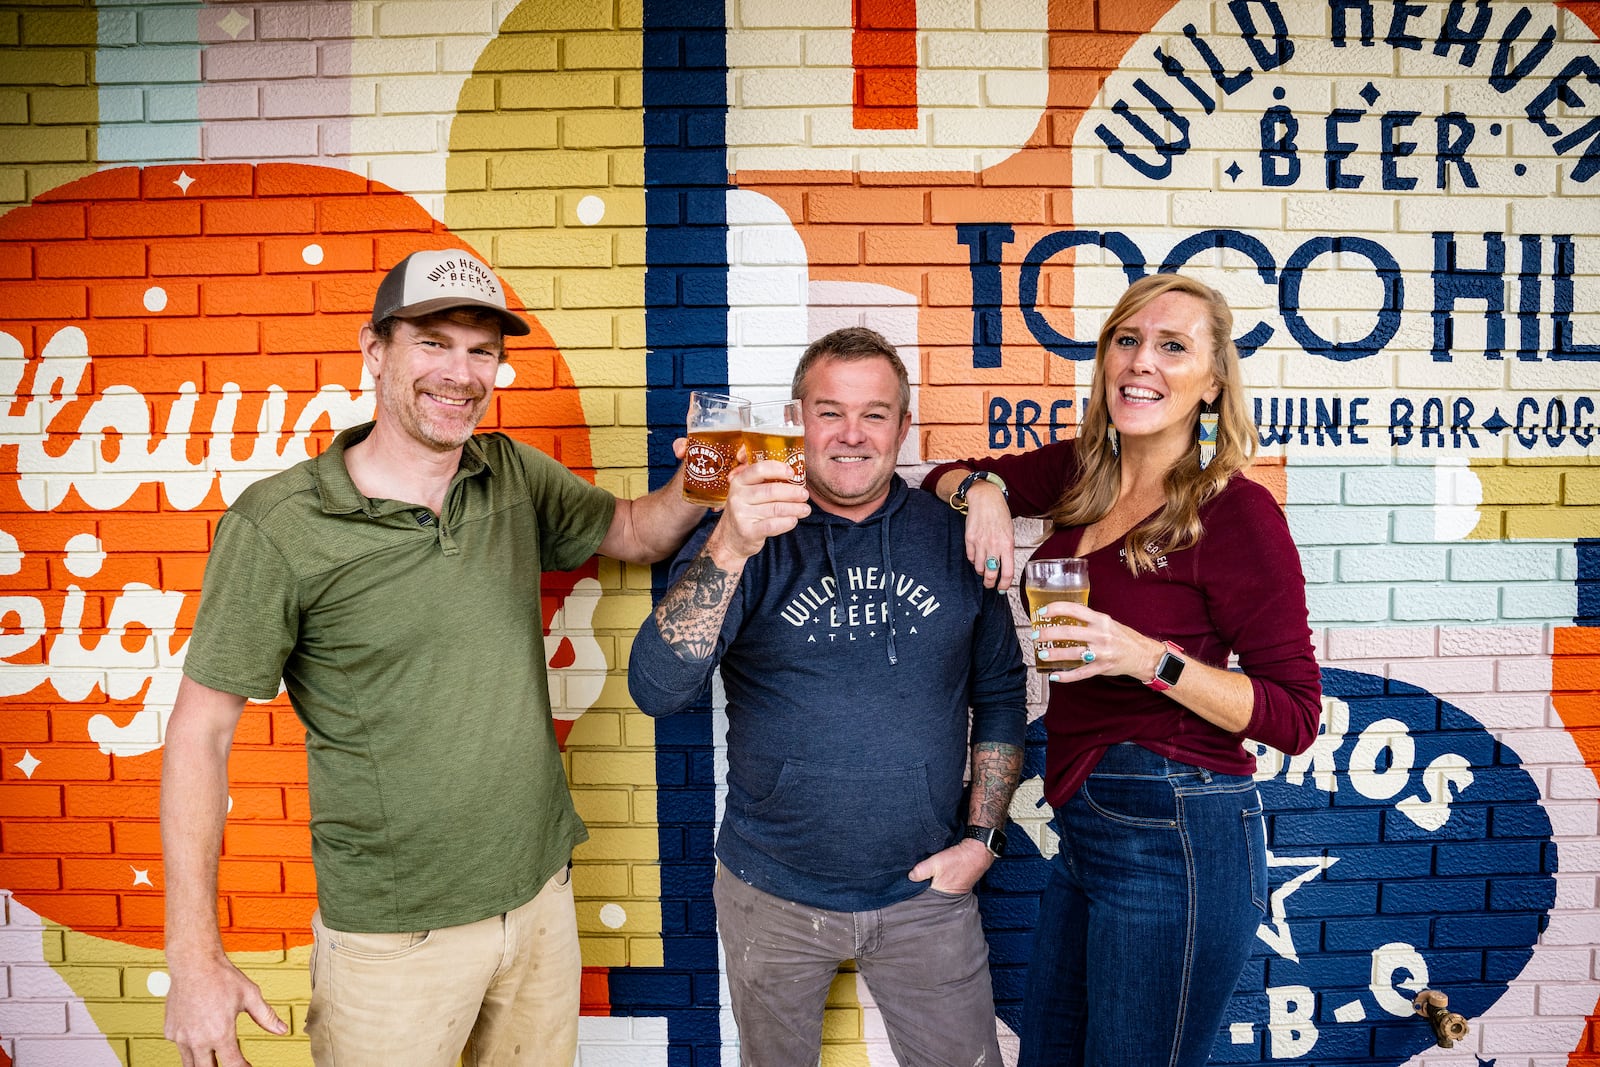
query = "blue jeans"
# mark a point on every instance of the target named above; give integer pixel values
(1148, 916)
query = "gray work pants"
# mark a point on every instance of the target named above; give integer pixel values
(924, 959)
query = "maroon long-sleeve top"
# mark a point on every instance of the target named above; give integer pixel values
(1239, 590)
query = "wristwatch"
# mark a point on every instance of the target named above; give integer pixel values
(1169, 670)
(991, 837)
(958, 499)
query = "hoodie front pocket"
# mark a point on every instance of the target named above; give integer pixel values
(846, 822)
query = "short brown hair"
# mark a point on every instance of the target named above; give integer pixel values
(466, 315)
(851, 344)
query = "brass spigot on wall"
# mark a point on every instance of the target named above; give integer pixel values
(1448, 1026)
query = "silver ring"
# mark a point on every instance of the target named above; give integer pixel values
(1088, 655)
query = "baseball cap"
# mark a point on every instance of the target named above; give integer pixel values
(425, 282)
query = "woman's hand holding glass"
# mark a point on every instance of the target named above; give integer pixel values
(1107, 646)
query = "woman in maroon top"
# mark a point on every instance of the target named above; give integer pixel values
(1160, 881)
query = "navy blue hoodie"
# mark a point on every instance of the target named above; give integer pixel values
(850, 655)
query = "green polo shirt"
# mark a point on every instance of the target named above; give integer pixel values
(412, 649)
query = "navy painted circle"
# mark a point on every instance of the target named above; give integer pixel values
(1407, 848)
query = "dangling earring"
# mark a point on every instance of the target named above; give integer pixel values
(1111, 435)
(1207, 434)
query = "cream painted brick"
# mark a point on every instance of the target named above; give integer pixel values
(560, 18)
(965, 89)
(1466, 215)
(986, 51)
(1198, 211)
(1347, 604)
(411, 134)
(1392, 563)
(553, 170)
(292, 99)
(619, 52)
(1340, 213)
(557, 91)
(791, 88)
(399, 18)
(260, 140)
(422, 93)
(1446, 603)
(760, 48)
(602, 130)
(414, 55)
(1385, 643)
(417, 174)
(1549, 215)
(773, 126)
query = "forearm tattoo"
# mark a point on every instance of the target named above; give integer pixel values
(996, 772)
(690, 614)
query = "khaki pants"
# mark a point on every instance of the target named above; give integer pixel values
(500, 991)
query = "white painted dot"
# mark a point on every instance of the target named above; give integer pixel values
(230, 803)
(505, 376)
(158, 983)
(84, 555)
(591, 209)
(613, 916)
(312, 254)
(10, 554)
(155, 298)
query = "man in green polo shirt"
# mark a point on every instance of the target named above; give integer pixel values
(392, 584)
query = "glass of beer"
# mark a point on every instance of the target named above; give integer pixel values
(1046, 581)
(716, 425)
(776, 431)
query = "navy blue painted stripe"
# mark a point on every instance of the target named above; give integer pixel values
(686, 297)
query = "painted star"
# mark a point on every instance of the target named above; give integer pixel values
(183, 181)
(1275, 932)
(141, 877)
(26, 764)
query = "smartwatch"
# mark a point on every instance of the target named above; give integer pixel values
(1169, 670)
(958, 499)
(991, 837)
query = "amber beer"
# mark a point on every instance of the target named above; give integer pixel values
(777, 431)
(715, 432)
(1048, 581)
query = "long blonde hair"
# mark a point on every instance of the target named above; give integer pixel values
(1176, 526)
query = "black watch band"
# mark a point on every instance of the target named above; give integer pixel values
(991, 837)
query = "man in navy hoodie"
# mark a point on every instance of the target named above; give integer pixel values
(853, 636)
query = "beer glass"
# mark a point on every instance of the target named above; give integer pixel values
(776, 431)
(1046, 581)
(716, 423)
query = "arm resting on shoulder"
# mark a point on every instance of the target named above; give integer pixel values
(208, 991)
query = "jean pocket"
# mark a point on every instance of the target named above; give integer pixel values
(1255, 851)
(1132, 800)
(376, 946)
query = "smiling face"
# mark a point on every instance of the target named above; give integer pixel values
(434, 377)
(854, 429)
(1158, 367)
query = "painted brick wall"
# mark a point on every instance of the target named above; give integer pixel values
(198, 199)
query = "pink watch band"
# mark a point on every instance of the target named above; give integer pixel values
(1157, 683)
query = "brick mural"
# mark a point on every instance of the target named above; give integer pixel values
(197, 200)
